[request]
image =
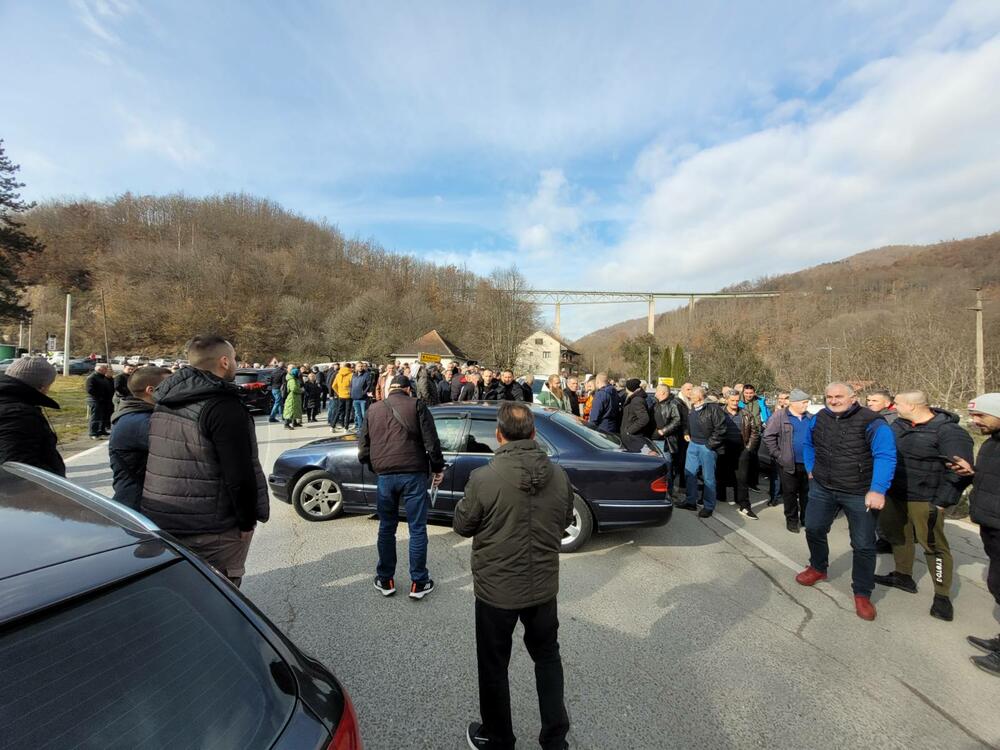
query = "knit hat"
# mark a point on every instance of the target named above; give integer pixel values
(798, 394)
(988, 403)
(33, 371)
(632, 384)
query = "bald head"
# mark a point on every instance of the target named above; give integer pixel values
(913, 405)
(601, 379)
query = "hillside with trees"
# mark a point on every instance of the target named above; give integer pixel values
(895, 317)
(274, 282)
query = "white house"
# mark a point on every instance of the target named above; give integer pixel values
(543, 354)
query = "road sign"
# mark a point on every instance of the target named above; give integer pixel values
(429, 359)
(665, 381)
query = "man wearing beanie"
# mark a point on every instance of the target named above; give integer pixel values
(637, 422)
(984, 508)
(25, 433)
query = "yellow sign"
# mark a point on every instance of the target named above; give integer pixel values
(665, 381)
(429, 359)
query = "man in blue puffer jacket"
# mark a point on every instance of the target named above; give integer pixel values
(606, 411)
(129, 444)
(362, 391)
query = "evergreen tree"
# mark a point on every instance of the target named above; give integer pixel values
(666, 363)
(15, 243)
(679, 367)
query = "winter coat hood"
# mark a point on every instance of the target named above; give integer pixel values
(131, 405)
(940, 417)
(528, 466)
(189, 385)
(12, 389)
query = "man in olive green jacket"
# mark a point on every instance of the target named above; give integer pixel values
(516, 508)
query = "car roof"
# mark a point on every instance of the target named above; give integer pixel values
(486, 408)
(43, 522)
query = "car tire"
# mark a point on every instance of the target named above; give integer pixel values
(317, 497)
(582, 528)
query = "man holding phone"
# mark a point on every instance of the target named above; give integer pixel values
(927, 439)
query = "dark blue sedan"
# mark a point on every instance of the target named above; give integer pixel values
(614, 488)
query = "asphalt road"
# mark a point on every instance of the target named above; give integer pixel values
(694, 635)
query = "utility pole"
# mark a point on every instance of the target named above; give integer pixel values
(20, 334)
(980, 355)
(69, 316)
(107, 347)
(829, 366)
(649, 365)
(29, 336)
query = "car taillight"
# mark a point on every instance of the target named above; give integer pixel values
(659, 485)
(347, 736)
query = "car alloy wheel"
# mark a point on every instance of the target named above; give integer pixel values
(318, 497)
(578, 532)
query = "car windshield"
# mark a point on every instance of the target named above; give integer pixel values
(244, 378)
(165, 661)
(602, 440)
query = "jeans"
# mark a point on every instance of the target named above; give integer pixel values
(700, 456)
(494, 631)
(662, 445)
(331, 409)
(822, 509)
(278, 408)
(342, 412)
(360, 409)
(412, 490)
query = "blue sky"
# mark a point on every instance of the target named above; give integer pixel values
(635, 146)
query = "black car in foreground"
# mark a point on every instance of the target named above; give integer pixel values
(255, 387)
(614, 489)
(112, 635)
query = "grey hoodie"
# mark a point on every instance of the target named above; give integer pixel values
(516, 508)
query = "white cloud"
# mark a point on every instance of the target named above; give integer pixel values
(906, 150)
(167, 137)
(552, 216)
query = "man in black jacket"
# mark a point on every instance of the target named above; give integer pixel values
(705, 433)
(399, 442)
(121, 384)
(573, 392)
(277, 382)
(508, 388)
(128, 447)
(204, 483)
(100, 401)
(984, 509)
(25, 433)
(516, 508)
(921, 489)
(637, 422)
(668, 427)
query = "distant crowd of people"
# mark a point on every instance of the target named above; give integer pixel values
(183, 451)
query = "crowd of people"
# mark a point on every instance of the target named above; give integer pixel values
(183, 451)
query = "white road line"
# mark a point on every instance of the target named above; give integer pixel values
(760, 544)
(87, 452)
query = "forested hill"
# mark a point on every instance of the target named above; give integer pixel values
(275, 282)
(897, 316)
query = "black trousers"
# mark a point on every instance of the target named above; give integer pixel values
(795, 493)
(991, 543)
(98, 416)
(733, 470)
(679, 458)
(494, 632)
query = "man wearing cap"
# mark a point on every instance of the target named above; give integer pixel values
(984, 508)
(785, 438)
(25, 433)
(850, 454)
(398, 442)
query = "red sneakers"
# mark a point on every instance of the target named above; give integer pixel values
(810, 576)
(864, 607)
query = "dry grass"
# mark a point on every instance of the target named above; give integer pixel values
(70, 420)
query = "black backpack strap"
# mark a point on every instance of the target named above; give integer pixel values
(398, 418)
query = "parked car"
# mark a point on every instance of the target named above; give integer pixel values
(614, 489)
(4, 364)
(256, 387)
(117, 636)
(163, 361)
(78, 366)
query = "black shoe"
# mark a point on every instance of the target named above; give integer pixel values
(898, 581)
(989, 645)
(686, 506)
(883, 547)
(942, 609)
(792, 526)
(703, 513)
(773, 503)
(274, 420)
(989, 663)
(386, 586)
(474, 739)
(288, 426)
(748, 513)
(420, 590)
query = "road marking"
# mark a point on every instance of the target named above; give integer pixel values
(87, 452)
(760, 544)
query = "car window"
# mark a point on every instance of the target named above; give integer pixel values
(245, 378)
(164, 661)
(482, 437)
(450, 430)
(596, 438)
